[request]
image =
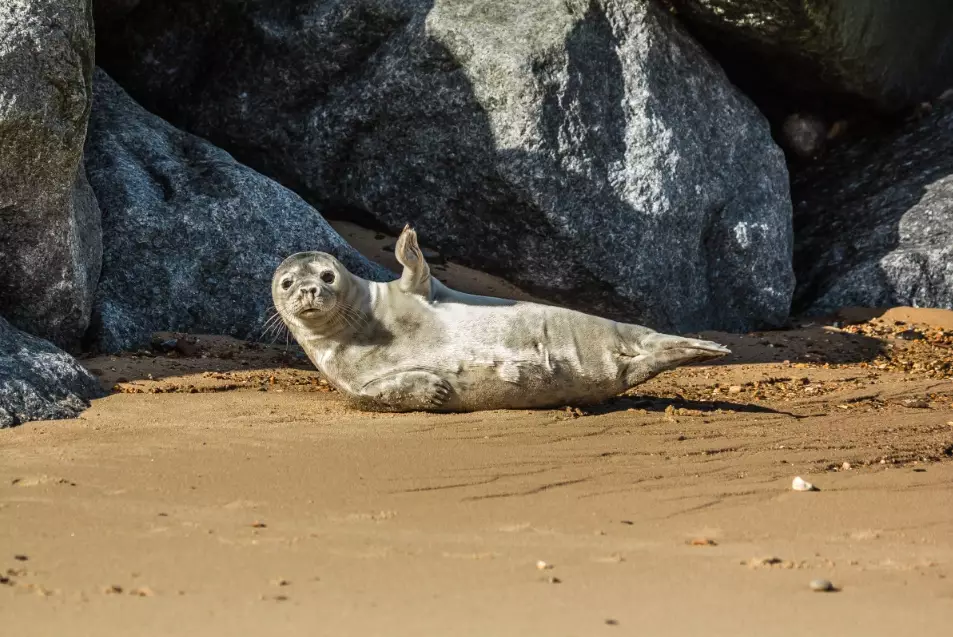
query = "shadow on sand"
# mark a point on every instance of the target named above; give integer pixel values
(660, 405)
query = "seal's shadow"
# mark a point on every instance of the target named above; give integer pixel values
(818, 342)
(659, 405)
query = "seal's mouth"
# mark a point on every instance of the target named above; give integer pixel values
(309, 312)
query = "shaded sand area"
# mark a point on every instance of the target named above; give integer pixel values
(223, 489)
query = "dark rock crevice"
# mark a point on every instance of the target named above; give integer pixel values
(874, 221)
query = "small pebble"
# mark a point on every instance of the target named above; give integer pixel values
(910, 335)
(845, 466)
(541, 565)
(703, 541)
(772, 562)
(800, 484)
(21, 558)
(554, 580)
(821, 585)
(612, 622)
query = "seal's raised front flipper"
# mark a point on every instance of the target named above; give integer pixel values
(661, 352)
(415, 279)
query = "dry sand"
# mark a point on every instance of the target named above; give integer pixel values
(223, 489)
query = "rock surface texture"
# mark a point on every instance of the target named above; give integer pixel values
(38, 381)
(590, 152)
(885, 53)
(874, 222)
(50, 244)
(191, 237)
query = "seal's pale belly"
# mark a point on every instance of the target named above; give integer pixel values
(532, 355)
(518, 355)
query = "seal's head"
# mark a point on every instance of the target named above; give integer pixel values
(309, 288)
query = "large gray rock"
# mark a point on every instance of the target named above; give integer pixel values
(50, 244)
(884, 53)
(39, 381)
(191, 237)
(589, 152)
(874, 222)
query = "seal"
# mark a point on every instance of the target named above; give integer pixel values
(415, 344)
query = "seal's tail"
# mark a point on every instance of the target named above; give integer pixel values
(662, 352)
(679, 346)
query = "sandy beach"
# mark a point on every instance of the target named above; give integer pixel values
(224, 489)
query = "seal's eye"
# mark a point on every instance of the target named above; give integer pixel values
(286, 284)
(327, 277)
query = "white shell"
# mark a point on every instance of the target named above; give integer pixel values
(821, 585)
(799, 484)
(541, 565)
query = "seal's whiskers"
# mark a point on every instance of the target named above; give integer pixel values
(346, 317)
(355, 317)
(273, 327)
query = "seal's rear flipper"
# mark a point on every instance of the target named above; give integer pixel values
(662, 352)
(665, 343)
(415, 279)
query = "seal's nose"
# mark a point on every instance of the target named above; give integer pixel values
(309, 290)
